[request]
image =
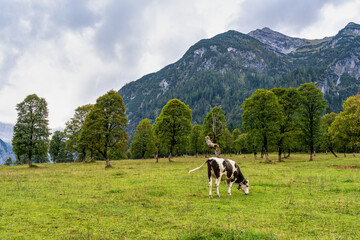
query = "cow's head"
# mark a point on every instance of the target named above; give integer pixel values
(244, 185)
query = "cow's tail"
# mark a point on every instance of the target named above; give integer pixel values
(193, 170)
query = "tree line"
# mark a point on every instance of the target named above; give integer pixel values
(281, 119)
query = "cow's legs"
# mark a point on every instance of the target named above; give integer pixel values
(229, 184)
(217, 183)
(210, 186)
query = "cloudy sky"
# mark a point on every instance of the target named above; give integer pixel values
(72, 51)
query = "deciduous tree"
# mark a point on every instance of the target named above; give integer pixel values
(326, 140)
(173, 124)
(214, 124)
(289, 100)
(312, 106)
(57, 146)
(31, 131)
(143, 144)
(104, 127)
(73, 129)
(196, 139)
(346, 126)
(262, 113)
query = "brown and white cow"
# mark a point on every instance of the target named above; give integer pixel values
(224, 169)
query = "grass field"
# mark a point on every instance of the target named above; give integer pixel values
(139, 199)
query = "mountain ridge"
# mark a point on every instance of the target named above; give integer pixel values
(226, 69)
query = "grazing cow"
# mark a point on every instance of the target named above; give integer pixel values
(224, 169)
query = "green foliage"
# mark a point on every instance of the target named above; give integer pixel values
(31, 132)
(326, 141)
(57, 149)
(240, 143)
(228, 68)
(345, 129)
(226, 142)
(143, 144)
(73, 130)
(312, 106)
(261, 117)
(104, 127)
(196, 139)
(8, 162)
(173, 125)
(214, 124)
(289, 100)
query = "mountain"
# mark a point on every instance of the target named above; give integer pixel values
(6, 133)
(226, 69)
(5, 152)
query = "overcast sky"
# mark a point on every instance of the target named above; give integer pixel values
(70, 52)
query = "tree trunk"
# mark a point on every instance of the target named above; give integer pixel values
(332, 151)
(280, 152)
(107, 163)
(55, 158)
(197, 155)
(255, 155)
(84, 154)
(30, 161)
(266, 153)
(170, 156)
(311, 152)
(217, 152)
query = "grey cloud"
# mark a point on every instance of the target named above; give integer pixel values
(295, 15)
(24, 22)
(123, 25)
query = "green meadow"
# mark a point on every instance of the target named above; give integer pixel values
(141, 199)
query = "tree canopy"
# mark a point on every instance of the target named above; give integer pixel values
(312, 106)
(104, 127)
(173, 125)
(262, 113)
(143, 144)
(31, 131)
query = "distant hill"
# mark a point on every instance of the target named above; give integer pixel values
(6, 133)
(226, 69)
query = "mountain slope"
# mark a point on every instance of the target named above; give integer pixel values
(228, 68)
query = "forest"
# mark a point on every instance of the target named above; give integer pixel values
(281, 120)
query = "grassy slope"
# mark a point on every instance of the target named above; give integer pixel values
(143, 200)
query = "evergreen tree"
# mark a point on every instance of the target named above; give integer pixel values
(173, 125)
(31, 132)
(312, 106)
(143, 144)
(261, 117)
(104, 127)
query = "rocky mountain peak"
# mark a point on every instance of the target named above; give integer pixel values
(277, 41)
(351, 29)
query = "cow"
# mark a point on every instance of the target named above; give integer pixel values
(224, 169)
